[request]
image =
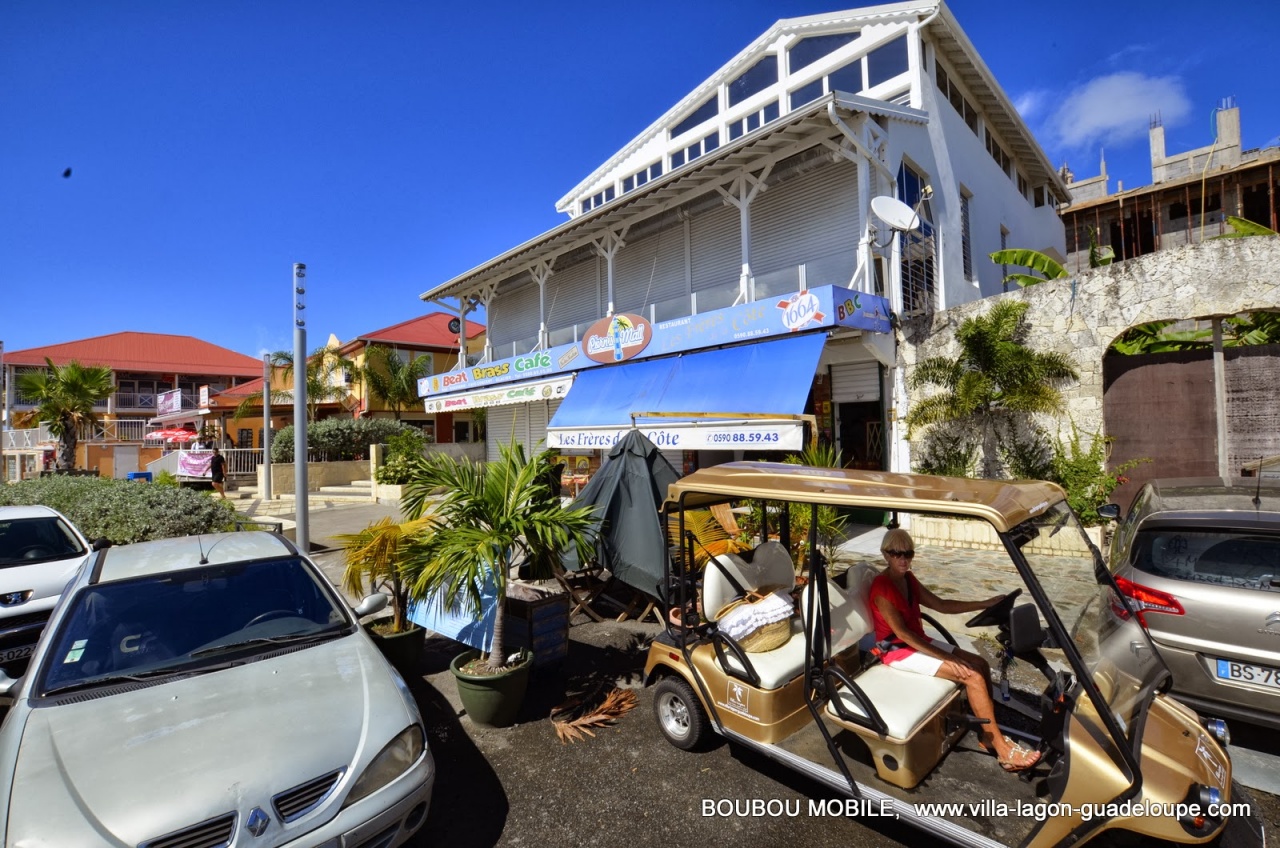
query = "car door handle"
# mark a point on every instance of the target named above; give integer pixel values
(1138, 647)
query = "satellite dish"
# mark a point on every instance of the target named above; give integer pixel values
(454, 325)
(895, 213)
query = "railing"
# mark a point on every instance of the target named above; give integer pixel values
(240, 462)
(27, 439)
(113, 431)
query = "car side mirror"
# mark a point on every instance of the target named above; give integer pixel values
(8, 684)
(101, 543)
(1025, 632)
(1111, 512)
(376, 602)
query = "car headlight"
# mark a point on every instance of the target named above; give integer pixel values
(391, 762)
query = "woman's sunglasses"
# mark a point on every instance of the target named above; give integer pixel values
(903, 554)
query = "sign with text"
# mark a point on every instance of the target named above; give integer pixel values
(502, 395)
(764, 435)
(169, 402)
(798, 312)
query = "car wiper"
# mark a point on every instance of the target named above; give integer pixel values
(287, 639)
(110, 679)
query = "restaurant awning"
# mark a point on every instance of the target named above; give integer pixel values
(746, 397)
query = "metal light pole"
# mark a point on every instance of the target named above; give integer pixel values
(300, 408)
(266, 426)
(4, 418)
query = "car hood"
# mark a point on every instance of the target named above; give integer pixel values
(129, 767)
(45, 581)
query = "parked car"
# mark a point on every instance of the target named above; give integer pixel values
(210, 691)
(1199, 559)
(40, 551)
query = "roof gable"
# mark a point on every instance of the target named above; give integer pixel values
(430, 330)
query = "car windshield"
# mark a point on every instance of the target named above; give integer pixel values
(26, 541)
(1239, 559)
(1113, 649)
(188, 621)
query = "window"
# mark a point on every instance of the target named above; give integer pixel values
(809, 50)
(754, 80)
(1041, 196)
(693, 151)
(887, 61)
(598, 199)
(998, 154)
(918, 249)
(641, 177)
(806, 94)
(244, 438)
(848, 78)
(1023, 188)
(754, 121)
(461, 431)
(702, 114)
(966, 238)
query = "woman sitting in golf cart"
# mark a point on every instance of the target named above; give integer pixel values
(896, 597)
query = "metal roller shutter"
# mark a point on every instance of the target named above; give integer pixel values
(650, 271)
(499, 425)
(573, 295)
(812, 220)
(855, 382)
(715, 248)
(513, 316)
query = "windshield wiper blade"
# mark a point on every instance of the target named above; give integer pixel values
(286, 639)
(117, 678)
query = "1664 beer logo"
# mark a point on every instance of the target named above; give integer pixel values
(800, 310)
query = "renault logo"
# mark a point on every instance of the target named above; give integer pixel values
(257, 822)
(1272, 621)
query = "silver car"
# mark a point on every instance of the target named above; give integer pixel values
(40, 551)
(1199, 560)
(210, 691)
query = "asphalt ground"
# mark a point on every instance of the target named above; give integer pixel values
(626, 786)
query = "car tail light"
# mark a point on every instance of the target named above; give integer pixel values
(1145, 599)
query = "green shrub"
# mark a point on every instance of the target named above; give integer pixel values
(949, 450)
(123, 510)
(1084, 474)
(1027, 455)
(404, 451)
(337, 439)
(167, 478)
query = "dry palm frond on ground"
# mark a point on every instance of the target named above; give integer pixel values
(578, 716)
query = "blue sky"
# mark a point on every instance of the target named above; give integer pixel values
(393, 145)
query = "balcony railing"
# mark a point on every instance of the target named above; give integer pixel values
(114, 431)
(27, 439)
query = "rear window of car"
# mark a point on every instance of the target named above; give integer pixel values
(25, 541)
(1242, 560)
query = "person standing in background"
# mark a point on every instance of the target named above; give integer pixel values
(218, 470)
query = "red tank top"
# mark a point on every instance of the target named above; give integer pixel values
(882, 586)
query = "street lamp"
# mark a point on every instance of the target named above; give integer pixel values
(302, 518)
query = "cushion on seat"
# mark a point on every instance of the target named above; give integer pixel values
(778, 666)
(903, 699)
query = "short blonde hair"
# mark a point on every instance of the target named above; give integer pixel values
(897, 539)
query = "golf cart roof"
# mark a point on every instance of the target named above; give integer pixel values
(1004, 503)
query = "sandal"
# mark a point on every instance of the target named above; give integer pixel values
(1020, 759)
(992, 751)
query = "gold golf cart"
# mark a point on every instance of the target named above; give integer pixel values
(1116, 753)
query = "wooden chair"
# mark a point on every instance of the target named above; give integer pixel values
(583, 587)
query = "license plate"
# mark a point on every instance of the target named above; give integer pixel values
(19, 653)
(1248, 673)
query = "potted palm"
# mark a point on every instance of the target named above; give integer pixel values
(489, 518)
(375, 557)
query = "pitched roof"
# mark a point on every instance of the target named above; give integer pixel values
(430, 330)
(147, 352)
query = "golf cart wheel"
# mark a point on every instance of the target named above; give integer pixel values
(679, 714)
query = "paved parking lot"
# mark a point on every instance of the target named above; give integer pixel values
(520, 786)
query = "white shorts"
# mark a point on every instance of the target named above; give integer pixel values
(919, 662)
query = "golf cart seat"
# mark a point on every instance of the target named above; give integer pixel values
(769, 565)
(900, 715)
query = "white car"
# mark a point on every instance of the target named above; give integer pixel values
(210, 692)
(40, 551)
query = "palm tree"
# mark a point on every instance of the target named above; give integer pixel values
(1047, 265)
(327, 373)
(65, 396)
(392, 380)
(490, 516)
(994, 381)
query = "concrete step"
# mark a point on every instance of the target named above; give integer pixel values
(351, 491)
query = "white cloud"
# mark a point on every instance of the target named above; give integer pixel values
(1029, 104)
(1117, 108)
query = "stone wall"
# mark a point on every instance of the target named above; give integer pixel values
(1081, 316)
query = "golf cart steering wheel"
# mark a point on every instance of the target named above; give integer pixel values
(997, 613)
(35, 552)
(269, 615)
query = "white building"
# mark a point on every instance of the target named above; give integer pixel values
(752, 193)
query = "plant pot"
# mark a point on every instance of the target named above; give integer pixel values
(402, 650)
(492, 699)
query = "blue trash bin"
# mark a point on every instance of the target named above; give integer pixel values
(144, 476)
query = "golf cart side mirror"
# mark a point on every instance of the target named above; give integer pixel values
(376, 602)
(1111, 512)
(8, 684)
(1025, 632)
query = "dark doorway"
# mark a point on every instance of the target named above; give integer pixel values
(862, 435)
